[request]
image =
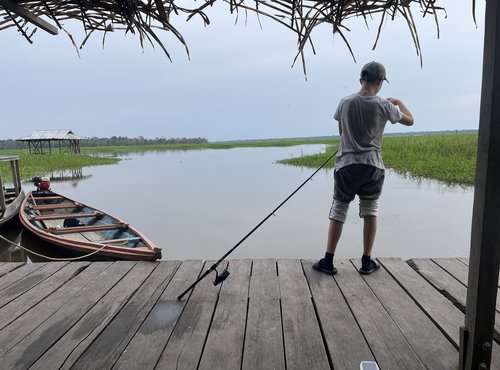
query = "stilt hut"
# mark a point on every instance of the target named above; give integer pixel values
(302, 17)
(42, 142)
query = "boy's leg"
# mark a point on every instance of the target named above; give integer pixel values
(334, 233)
(369, 232)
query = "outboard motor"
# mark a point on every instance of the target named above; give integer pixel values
(41, 183)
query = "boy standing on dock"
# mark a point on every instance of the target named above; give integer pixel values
(359, 169)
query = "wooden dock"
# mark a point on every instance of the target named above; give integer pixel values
(267, 315)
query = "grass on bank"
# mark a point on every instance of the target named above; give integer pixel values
(39, 165)
(447, 157)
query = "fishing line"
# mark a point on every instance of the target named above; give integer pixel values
(220, 277)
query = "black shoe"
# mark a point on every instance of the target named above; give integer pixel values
(371, 267)
(322, 266)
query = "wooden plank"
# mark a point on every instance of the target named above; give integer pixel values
(24, 353)
(428, 342)
(340, 329)
(450, 287)
(484, 260)
(443, 282)
(224, 346)
(6, 268)
(20, 305)
(438, 307)
(50, 207)
(185, 345)
(388, 345)
(304, 347)
(454, 267)
(459, 272)
(79, 337)
(28, 282)
(18, 274)
(158, 325)
(441, 311)
(109, 345)
(264, 335)
(20, 328)
(65, 216)
(81, 229)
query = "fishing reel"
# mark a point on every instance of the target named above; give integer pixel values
(219, 278)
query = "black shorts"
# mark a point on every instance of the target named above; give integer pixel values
(362, 180)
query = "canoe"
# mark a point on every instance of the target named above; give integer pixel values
(10, 197)
(82, 229)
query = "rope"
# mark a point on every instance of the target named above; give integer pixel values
(52, 258)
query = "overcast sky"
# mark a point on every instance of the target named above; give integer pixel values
(238, 83)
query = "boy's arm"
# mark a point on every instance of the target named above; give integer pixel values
(407, 119)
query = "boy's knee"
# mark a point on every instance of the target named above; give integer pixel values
(368, 207)
(339, 211)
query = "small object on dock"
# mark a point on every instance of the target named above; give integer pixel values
(368, 365)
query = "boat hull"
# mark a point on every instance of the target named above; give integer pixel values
(82, 229)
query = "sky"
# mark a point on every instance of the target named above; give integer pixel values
(238, 82)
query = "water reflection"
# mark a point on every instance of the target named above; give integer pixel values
(199, 204)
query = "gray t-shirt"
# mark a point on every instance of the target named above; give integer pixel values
(363, 119)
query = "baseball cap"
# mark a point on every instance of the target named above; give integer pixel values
(373, 71)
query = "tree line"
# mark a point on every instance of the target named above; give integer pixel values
(114, 141)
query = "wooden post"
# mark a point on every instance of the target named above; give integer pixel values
(484, 262)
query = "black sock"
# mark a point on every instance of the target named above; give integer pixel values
(328, 260)
(365, 261)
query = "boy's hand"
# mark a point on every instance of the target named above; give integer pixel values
(407, 119)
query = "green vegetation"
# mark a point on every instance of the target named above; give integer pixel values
(38, 165)
(446, 157)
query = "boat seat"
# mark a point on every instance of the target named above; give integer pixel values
(66, 216)
(81, 229)
(49, 207)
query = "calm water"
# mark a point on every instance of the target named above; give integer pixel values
(199, 204)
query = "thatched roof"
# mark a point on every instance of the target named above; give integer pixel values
(147, 18)
(51, 135)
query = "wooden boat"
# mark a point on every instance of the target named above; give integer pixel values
(10, 197)
(83, 229)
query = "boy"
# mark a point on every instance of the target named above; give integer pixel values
(359, 169)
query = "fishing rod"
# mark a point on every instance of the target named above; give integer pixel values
(219, 278)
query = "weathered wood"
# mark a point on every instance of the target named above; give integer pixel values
(65, 216)
(444, 314)
(339, 326)
(454, 267)
(77, 339)
(50, 207)
(18, 274)
(304, 347)
(6, 268)
(484, 260)
(24, 353)
(22, 304)
(81, 229)
(388, 345)
(450, 287)
(224, 347)
(443, 282)
(264, 335)
(104, 351)
(460, 272)
(20, 328)
(185, 345)
(428, 342)
(158, 325)
(28, 282)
